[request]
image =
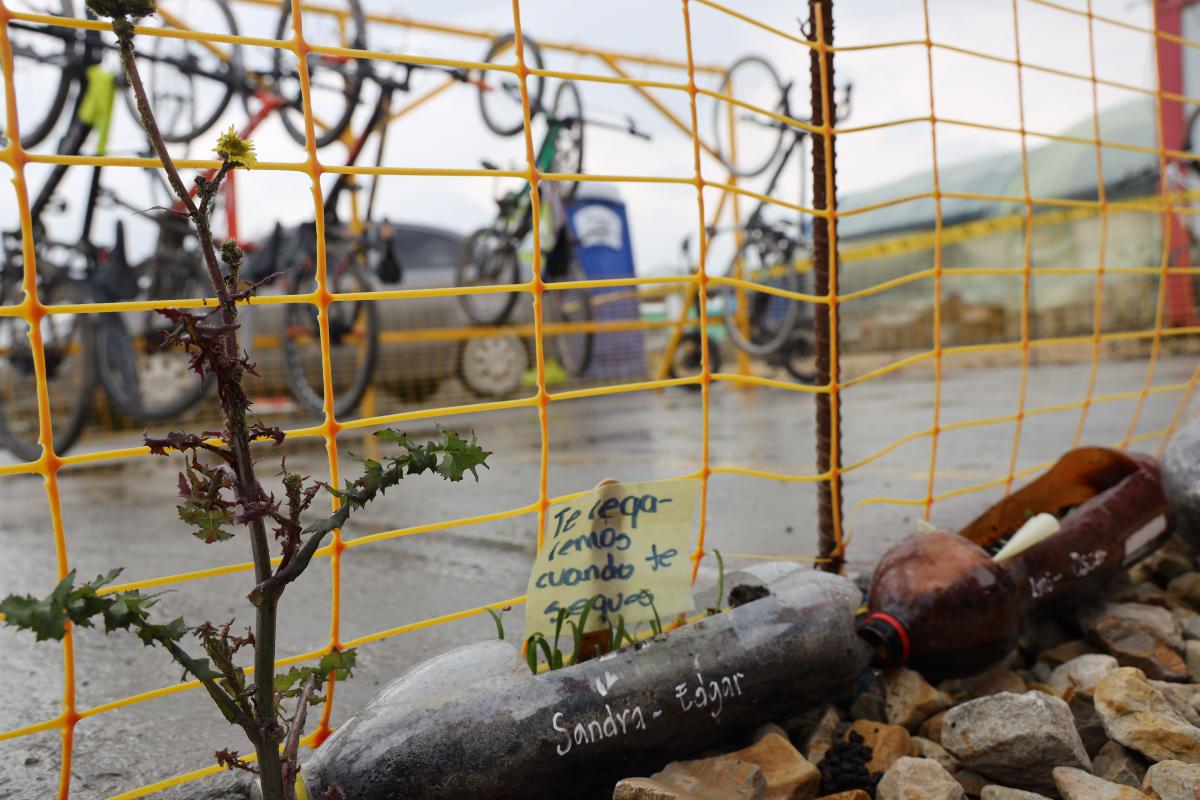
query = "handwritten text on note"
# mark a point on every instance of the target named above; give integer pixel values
(621, 547)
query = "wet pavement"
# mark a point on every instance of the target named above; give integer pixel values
(122, 514)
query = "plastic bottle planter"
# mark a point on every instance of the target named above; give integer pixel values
(940, 602)
(475, 723)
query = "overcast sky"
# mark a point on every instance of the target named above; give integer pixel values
(888, 84)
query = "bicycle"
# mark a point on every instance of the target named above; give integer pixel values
(353, 262)
(335, 82)
(489, 256)
(189, 83)
(686, 356)
(761, 323)
(83, 350)
(177, 66)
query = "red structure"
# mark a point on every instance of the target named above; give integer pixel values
(1173, 57)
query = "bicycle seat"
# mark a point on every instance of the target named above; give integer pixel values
(390, 267)
(492, 165)
(264, 260)
(115, 280)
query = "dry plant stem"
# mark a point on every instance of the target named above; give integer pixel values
(293, 740)
(264, 732)
(123, 29)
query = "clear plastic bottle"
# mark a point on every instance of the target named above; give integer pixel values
(505, 733)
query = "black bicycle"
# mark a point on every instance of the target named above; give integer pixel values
(335, 82)
(765, 323)
(121, 351)
(355, 263)
(189, 82)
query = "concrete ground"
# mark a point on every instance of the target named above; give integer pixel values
(122, 514)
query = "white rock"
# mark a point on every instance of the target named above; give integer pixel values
(1137, 715)
(927, 748)
(1189, 622)
(1173, 780)
(918, 777)
(1015, 739)
(994, 792)
(1181, 696)
(909, 700)
(1075, 784)
(1082, 673)
(1192, 655)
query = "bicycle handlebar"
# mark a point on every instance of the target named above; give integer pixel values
(843, 111)
(630, 126)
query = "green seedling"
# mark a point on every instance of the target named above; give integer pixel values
(499, 623)
(720, 583)
(656, 627)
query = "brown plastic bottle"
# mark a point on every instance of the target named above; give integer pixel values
(942, 605)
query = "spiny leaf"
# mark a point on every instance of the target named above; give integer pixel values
(126, 609)
(48, 618)
(201, 668)
(155, 634)
(338, 665)
(338, 662)
(209, 522)
(459, 455)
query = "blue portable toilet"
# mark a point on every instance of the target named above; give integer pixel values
(600, 228)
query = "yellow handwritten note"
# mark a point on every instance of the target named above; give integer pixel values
(621, 547)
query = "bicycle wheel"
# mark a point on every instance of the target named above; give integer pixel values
(686, 360)
(70, 371)
(755, 137)
(149, 382)
(572, 309)
(487, 258)
(44, 66)
(768, 318)
(353, 337)
(799, 359)
(500, 91)
(189, 83)
(335, 82)
(567, 112)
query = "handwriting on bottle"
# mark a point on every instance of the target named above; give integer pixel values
(623, 549)
(1082, 565)
(705, 694)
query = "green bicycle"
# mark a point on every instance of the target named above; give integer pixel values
(490, 256)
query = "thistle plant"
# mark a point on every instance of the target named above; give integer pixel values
(220, 495)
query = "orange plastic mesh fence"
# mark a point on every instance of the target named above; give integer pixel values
(1169, 205)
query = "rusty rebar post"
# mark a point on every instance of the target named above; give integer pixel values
(824, 176)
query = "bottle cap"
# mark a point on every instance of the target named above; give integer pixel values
(887, 636)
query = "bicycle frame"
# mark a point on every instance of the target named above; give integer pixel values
(71, 144)
(516, 208)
